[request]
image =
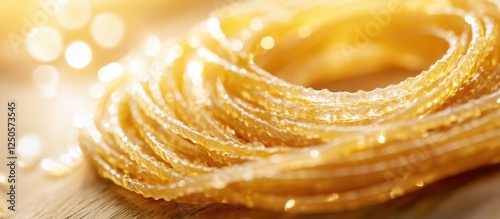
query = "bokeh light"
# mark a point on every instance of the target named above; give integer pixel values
(97, 90)
(194, 41)
(194, 69)
(78, 55)
(107, 29)
(237, 45)
(72, 156)
(44, 43)
(81, 118)
(304, 31)
(151, 46)
(46, 78)
(3, 181)
(55, 168)
(29, 149)
(109, 72)
(74, 14)
(267, 42)
(256, 24)
(137, 65)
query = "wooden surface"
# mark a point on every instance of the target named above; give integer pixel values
(83, 194)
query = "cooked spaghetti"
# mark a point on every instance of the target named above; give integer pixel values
(227, 114)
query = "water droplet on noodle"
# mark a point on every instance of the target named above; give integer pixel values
(381, 139)
(72, 157)
(314, 153)
(194, 70)
(55, 168)
(213, 26)
(304, 31)
(267, 42)
(65, 164)
(289, 204)
(396, 192)
(332, 197)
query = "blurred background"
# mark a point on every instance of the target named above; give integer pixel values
(56, 57)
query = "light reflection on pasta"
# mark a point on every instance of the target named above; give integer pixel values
(226, 115)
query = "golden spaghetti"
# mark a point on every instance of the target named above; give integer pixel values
(226, 115)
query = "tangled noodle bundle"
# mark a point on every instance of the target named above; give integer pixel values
(228, 114)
